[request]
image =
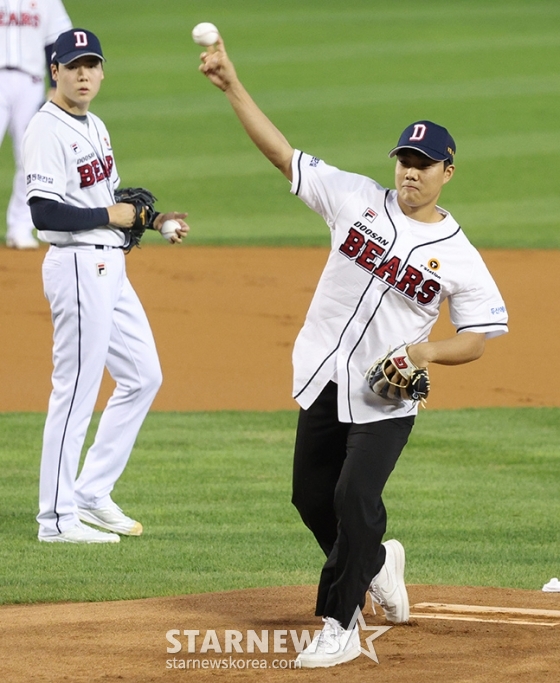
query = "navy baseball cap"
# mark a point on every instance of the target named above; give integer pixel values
(76, 43)
(428, 138)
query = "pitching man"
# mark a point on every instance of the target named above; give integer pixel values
(395, 257)
(98, 319)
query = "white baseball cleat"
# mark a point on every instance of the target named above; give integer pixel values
(334, 645)
(553, 586)
(388, 589)
(80, 533)
(22, 242)
(111, 517)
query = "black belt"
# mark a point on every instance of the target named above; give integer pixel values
(96, 246)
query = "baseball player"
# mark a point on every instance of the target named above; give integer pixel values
(395, 257)
(28, 29)
(98, 319)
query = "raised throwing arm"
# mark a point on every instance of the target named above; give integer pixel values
(218, 68)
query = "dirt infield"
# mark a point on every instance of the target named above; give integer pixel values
(225, 321)
(126, 641)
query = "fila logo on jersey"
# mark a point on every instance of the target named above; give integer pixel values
(369, 214)
(95, 172)
(101, 269)
(368, 255)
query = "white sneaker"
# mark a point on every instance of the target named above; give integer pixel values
(22, 242)
(334, 645)
(111, 517)
(388, 589)
(81, 534)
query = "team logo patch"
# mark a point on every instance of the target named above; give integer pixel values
(107, 143)
(80, 39)
(369, 214)
(39, 178)
(101, 269)
(433, 264)
(314, 161)
(419, 132)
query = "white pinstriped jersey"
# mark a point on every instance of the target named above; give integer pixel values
(383, 285)
(71, 161)
(26, 28)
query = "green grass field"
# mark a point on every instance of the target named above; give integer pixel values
(475, 495)
(341, 80)
(474, 498)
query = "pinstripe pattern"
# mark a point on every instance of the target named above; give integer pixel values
(358, 342)
(79, 366)
(357, 307)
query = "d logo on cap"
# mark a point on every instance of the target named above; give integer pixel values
(428, 138)
(76, 43)
(81, 39)
(419, 132)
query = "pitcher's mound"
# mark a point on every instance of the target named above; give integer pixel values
(456, 634)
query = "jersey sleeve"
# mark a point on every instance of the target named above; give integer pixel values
(45, 166)
(57, 21)
(479, 307)
(324, 188)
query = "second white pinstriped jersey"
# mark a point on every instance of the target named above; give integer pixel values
(26, 28)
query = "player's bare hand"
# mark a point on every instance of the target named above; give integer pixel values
(217, 67)
(180, 231)
(121, 215)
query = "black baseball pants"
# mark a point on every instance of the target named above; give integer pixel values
(340, 471)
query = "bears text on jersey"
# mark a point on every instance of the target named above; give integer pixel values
(95, 172)
(369, 255)
(19, 19)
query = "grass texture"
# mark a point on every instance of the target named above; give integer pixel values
(474, 499)
(341, 80)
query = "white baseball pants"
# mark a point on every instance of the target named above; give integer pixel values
(20, 98)
(98, 322)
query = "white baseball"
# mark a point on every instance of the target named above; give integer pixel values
(169, 228)
(205, 34)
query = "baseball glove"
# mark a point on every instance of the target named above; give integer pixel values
(143, 202)
(396, 378)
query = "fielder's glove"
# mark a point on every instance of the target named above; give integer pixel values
(143, 202)
(396, 378)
